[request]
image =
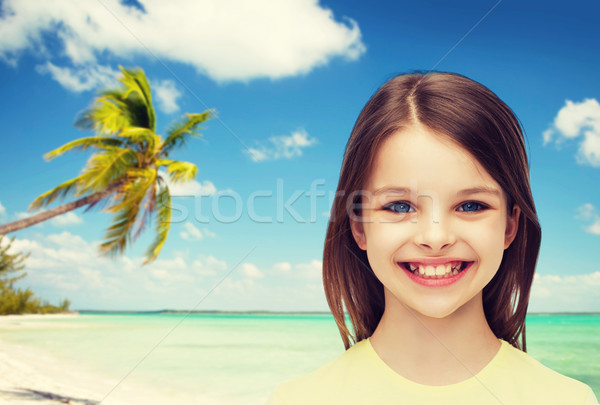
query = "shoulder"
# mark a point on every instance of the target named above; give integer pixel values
(522, 363)
(358, 376)
(321, 384)
(522, 370)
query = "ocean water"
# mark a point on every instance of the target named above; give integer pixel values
(240, 358)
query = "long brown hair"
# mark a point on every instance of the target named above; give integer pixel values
(475, 118)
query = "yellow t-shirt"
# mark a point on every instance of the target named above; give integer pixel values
(359, 376)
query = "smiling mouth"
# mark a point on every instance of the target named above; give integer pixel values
(435, 271)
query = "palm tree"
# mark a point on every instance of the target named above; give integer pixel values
(123, 174)
(10, 264)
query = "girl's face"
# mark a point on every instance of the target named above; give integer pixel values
(434, 223)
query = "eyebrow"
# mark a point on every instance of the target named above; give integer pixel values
(479, 190)
(461, 193)
(388, 189)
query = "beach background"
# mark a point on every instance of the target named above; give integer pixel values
(216, 359)
(287, 80)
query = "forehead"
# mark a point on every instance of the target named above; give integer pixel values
(416, 157)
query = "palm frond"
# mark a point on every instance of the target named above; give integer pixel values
(163, 162)
(115, 109)
(181, 172)
(139, 181)
(61, 191)
(188, 126)
(82, 144)
(136, 83)
(118, 234)
(140, 136)
(107, 116)
(162, 223)
(116, 187)
(104, 168)
(132, 105)
(149, 207)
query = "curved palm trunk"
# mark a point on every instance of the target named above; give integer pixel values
(51, 213)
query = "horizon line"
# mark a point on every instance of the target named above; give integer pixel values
(217, 311)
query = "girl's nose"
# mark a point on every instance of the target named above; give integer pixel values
(434, 233)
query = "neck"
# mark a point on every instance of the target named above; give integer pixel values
(435, 351)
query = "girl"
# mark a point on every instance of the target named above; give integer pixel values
(431, 251)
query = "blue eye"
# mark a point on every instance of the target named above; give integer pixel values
(399, 207)
(471, 206)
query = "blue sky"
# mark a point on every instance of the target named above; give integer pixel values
(288, 79)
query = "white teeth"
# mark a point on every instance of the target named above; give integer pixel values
(439, 271)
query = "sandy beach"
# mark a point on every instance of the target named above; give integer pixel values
(31, 377)
(210, 359)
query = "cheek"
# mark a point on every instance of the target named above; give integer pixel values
(381, 233)
(487, 239)
(384, 239)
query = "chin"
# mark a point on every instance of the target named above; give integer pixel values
(434, 307)
(435, 313)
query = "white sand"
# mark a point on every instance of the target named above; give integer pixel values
(32, 377)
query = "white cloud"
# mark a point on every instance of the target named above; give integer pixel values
(594, 228)
(66, 219)
(312, 270)
(170, 271)
(25, 214)
(193, 188)
(578, 121)
(167, 94)
(80, 78)
(226, 40)
(283, 267)
(190, 232)
(209, 233)
(574, 117)
(189, 189)
(552, 293)
(208, 266)
(56, 251)
(257, 155)
(282, 147)
(65, 265)
(2, 210)
(67, 240)
(250, 270)
(548, 136)
(587, 213)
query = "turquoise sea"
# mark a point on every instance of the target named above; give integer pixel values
(240, 358)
